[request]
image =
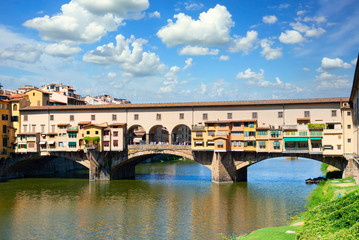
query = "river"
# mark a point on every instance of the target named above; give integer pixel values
(168, 200)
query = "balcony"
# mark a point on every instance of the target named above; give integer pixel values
(290, 127)
(91, 146)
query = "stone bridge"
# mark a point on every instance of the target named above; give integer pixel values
(225, 166)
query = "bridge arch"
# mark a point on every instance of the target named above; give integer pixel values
(136, 134)
(159, 134)
(181, 135)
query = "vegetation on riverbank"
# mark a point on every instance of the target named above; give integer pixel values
(333, 213)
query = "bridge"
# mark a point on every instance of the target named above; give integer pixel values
(153, 129)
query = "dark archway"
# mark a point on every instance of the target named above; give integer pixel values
(136, 134)
(159, 134)
(181, 135)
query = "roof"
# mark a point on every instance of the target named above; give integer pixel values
(231, 121)
(188, 104)
(28, 133)
(117, 124)
(51, 133)
(84, 123)
(63, 124)
(303, 119)
(95, 125)
(355, 82)
(37, 89)
(262, 128)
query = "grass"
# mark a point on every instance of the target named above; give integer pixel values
(328, 216)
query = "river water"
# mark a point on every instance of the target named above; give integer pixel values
(168, 200)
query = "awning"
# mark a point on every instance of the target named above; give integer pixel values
(316, 138)
(72, 143)
(42, 143)
(51, 142)
(296, 139)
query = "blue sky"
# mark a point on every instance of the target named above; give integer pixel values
(174, 51)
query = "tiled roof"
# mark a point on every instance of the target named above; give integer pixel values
(63, 124)
(189, 104)
(117, 124)
(84, 123)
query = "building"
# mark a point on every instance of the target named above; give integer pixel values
(7, 138)
(105, 99)
(38, 97)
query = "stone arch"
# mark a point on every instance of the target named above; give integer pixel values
(136, 134)
(159, 134)
(181, 135)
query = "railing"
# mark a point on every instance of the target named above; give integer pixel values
(289, 127)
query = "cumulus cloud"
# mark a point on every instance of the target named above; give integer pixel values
(309, 31)
(268, 52)
(269, 19)
(224, 58)
(212, 28)
(291, 37)
(26, 53)
(330, 81)
(154, 14)
(85, 21)
(258, 79)
(245, 44)
(193, 6)
(198, 51)
(171, 78)
(61, 50)
(329, 64)
(134, 63)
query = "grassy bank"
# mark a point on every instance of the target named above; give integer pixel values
(333, 213)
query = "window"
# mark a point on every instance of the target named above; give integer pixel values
(199, 134)
(72, 144)
(96, 132)
(24, 127)
(348, 113)
(158, 116)
(31, 144)
(114, 117)
(93, 117)
(229, 115)
(51, 117)
(254, 115)
(34, 128)
(87, 132)
(181, 116)
(251, 124)
(205, 116)
(280, 114)
(42, 128)
(25, 118)
(222, 125)
(5, 117)
(276, 145)
(52, 128)
(14, 108)
(4, 128)
(262, 144)
(237, 124)
(115, 143)
(107, 133)
(211, 133)
(72, 118)
(306, 114)
(339, 147)
(115, 133)
(106, 143)
(14, 118)
(334, 113)
(349, 140)
(349, 126)
(135, 117)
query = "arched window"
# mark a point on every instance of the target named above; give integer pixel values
(14, 107)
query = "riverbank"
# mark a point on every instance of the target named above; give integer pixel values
(333, 213)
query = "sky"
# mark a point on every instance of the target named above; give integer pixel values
(179, 51)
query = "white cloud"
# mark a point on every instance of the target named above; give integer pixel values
(134, 63)
(211, 29)
(203, 88)
(332, 64)
(309, 31)
(154, 14)
(61, 50)
(331, 81)
(188, 63)
(301, 12)
(111, 74)
(318, 19)
(121, 8)
(291, 37)
(198, 51)
(217, 88)
(193, 6)
(268, 52)
(26, 53)
(257, 79)
(245, 44)
(224, 58)
(284, 5)
(85, 21)
(305, 69)
(270, 19)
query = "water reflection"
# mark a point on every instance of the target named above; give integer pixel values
(173, 200)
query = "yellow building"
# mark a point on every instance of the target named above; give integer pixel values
(38, 97)
(7, 138)
(93, 136)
